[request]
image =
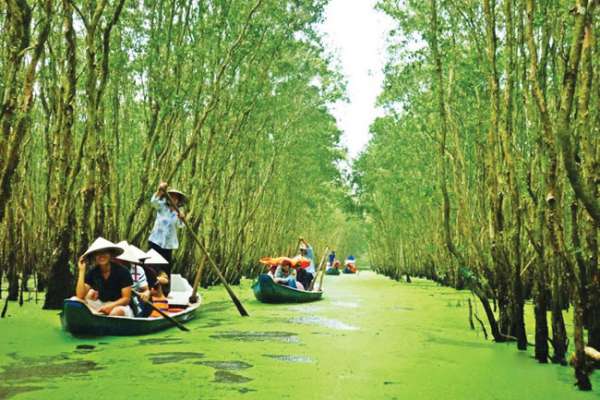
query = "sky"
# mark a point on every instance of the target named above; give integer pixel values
(356, 34)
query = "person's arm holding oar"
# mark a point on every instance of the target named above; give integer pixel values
(210, 260)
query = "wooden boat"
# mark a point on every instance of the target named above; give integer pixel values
(332, 271)
(78, 319)
(267, 291)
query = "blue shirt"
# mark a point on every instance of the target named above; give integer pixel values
(164, 232)
(331, 257)
(282, 276)
(311, 256)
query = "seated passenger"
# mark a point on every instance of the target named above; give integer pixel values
(159, 299)
(131, 258)
(110, 282)
(284, 275)
(350, 265)
(336, 265)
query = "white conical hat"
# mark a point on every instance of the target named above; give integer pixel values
(128, 254)
(139, 253)
(154, 258)
(102, 244)
(179, 193)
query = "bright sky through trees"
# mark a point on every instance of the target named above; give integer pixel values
(356, 33)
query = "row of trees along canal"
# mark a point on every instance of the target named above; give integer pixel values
(224, 99)
(484, 171)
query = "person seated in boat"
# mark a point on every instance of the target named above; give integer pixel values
(336, 265)
(271, 263)
(159, 300)
(306, 275)
(284, 275)
(155, 263)
(106, 287)
(132, 258)
(350, 265)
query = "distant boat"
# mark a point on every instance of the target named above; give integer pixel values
(267, 291)
(78, 319)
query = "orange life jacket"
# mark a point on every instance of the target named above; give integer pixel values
(162, 304)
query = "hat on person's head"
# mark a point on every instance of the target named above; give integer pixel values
(154, 258)
(139, 253)
(287, 261)
(303, 246)
(103, 245)
(128, 255)
(182, 196)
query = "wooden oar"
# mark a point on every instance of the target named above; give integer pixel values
(161, 312)
(194, 297)
(312, 283)
(322, 273)
(211, 262)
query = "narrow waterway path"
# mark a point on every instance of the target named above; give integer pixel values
(371, 338)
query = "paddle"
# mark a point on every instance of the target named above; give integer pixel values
(194, 297)
(161, 312)
(211, 262)
(322, 273)
(312, 283)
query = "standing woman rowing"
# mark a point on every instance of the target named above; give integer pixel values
(163, 237)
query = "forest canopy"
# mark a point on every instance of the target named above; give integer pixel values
(484, 171)
(225, 100)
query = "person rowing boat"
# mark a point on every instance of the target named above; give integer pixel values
(306, 275)
(163, 238)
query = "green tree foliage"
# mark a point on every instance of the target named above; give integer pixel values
(226, 100)
(483, 173)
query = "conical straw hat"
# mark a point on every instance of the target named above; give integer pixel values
(154, 258)
(139, 253)
(179, 193)
(102, 244)
(128, 254)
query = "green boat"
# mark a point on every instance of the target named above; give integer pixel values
(348, 271)
(267, 291)
(78, 319)
(332, 271)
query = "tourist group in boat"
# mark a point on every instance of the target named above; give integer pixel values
(123, 280)
(300, 272)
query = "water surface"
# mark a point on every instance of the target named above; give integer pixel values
(370, 338)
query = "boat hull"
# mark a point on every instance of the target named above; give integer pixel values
(332, 271)
(78, 319)
(267, 291)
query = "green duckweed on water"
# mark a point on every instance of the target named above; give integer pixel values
(370, 338)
